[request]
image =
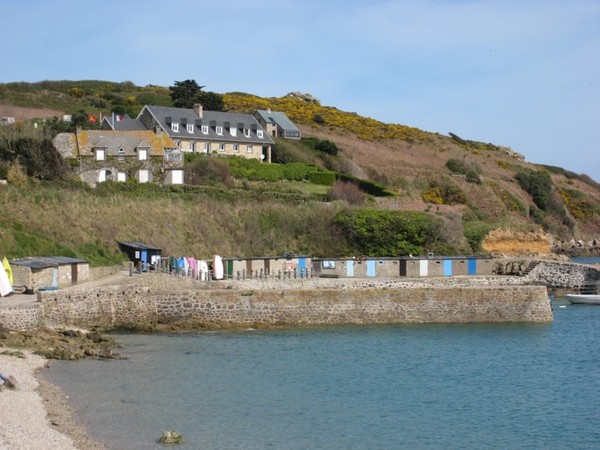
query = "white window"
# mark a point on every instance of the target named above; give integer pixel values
(221, 147)
(247, 132)
(175, 127)
(206, 147)
(190, 127)
(236, 148)
(204, 129)
(121, 176)
(250, 149)
(143, 176)
(259, 133)
(121, 154)
(219, 130)
(142, 154)
(99, 154)
(233, 131)
(193, 146)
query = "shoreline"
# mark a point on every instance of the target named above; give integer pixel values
(38, 415)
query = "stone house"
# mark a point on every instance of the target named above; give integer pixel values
(211, 132)
(277, 124)
(108, 155)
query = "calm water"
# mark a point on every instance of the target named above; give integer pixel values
(383, 387)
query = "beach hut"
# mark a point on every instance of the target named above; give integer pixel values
(142, 255)
(48, 272)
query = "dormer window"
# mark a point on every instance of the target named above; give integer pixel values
(233, 131)
(142, 154)
(247, 132)
(99, 154)
(121, 154)
(175, 127)
(259, 133)
(204, 129)
(190, 127)
(219, 130)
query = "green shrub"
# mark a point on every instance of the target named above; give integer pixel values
(327, 147)
(321, 177)
(475, 232)
(368, 186)
(372, 232)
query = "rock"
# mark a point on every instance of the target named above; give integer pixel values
(171, 437)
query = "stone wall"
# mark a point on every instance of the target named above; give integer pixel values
(21, 318)
(576, 277)
(215, 307)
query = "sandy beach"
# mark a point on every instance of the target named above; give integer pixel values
(36, 415)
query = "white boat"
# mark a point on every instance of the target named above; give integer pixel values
(583, 299)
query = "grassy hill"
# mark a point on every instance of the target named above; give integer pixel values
(463, 188)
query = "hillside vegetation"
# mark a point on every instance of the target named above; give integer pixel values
(351, 186)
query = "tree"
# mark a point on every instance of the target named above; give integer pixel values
(185, 93)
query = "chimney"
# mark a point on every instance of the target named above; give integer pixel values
(198, 109)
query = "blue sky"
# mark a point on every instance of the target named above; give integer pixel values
(524, 74)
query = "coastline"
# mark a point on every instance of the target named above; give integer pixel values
(37, 414)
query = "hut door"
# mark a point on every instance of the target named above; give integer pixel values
(402, 267)
(447, 268)
(350, 268)
(423, 267)
(472, 267)
(301, 266)
(74, 273)
(230, 269)
(144, 259)
(370, 268)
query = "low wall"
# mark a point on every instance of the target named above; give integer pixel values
(215, 308)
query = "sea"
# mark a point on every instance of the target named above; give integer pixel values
(433, 386)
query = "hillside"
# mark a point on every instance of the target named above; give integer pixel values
(466, 188)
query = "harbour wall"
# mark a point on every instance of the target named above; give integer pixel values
(218, 305)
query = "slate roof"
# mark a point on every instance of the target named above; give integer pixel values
(43, 262)
(165, 116)
(278, 118)
(125, 124)
(112, 141)
(137, 245)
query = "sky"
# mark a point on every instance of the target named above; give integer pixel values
(523, 74)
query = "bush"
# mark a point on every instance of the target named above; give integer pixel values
(349, 192)
(368, 186)
(327, 147)
(322, 178)
(475, 232)
(387, 233)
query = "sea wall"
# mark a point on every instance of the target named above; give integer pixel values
(227, 308)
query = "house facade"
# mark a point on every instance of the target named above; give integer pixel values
(107, 155)
(210, 132)
(277, 124)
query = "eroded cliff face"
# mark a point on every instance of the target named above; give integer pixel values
(509, 242)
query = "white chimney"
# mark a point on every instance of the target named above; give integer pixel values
(198, 109)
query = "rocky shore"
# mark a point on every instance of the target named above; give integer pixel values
(36, 414)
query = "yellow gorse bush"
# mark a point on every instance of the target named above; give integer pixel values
(304, 112)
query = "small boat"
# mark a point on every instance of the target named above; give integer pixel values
(583, 299)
